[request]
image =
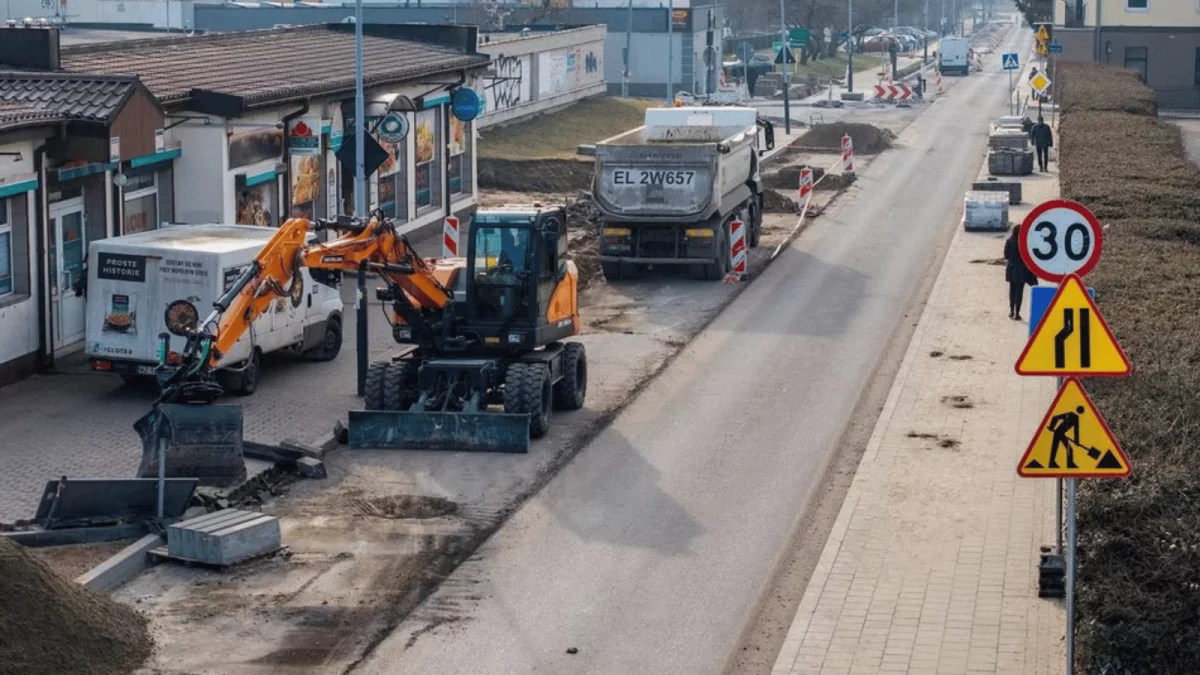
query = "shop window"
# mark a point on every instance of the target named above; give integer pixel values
(428, 152)
(458, 166)
(306, 184)
(256, 203)
(141, 203)
(1137, 59)
(7, 286)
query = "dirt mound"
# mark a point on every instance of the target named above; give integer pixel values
(788, 178)
(535, 175)
(868, 138)
(776, 202)
(51, 625)
(405, 506)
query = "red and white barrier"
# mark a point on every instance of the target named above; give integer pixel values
(940, 88)
(806, 184)
(847, 156)
(739, 271)
(450, 238)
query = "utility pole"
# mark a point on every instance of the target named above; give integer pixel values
(850, 46)
(783, 52)
(925, 26)
(628, 40)
(942, 21)
(360, 191)
(896, 14)
(670, 53)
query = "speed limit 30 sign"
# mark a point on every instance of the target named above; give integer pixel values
(1060, 238)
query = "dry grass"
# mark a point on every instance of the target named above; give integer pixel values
(558, 135)
(1139, 573)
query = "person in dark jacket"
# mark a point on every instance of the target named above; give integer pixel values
(1043, 140)
(1016, 274)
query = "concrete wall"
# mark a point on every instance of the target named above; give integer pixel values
(541, 72)
(147, 13)
(1171, 53)
(18, 312)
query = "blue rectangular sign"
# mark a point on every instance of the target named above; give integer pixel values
(1039, 300)
(1055, 48)
(1010, 62)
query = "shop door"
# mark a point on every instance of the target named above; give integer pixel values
(68, 253)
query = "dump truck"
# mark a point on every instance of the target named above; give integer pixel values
(485, 353)
(668, 190)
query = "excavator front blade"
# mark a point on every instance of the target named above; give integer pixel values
(199, 441)
(452, 431)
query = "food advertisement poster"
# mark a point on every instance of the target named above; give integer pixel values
(121, 316)
(254, 205)
(255, 146)
(458, 136)
(390, 166)
(306, 180)
(304, 136)
(425, 135)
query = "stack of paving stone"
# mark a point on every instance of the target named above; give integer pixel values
(985, 211)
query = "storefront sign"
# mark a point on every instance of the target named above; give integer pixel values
(336, 130)
(114, 149)
(465, 104)
(393, 128)
(304, 136)
(160, 140)
(255, 146)
(120, 267)
(679, 19)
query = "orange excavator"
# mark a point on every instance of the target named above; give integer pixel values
(482, 331)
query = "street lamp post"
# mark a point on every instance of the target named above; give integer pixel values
(670, 53)
(783, 52)
(925, 26)
(360, 192)
(628, 40)
(850, 46)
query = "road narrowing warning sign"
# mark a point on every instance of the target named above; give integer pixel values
(1073, 339)
(1073, 441)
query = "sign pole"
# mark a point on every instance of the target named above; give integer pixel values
(1071, 576)
(850, 46)
(360, 191)
(670, 53)
(785, 51)
(1058, 504)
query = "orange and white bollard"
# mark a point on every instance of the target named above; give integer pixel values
(738, 254)
(847, 156)
(940, 89)
(450, 238)
(806, 184)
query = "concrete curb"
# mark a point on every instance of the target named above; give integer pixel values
(125, 565)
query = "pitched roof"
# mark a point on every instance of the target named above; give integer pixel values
(33, 99)
(268, 67)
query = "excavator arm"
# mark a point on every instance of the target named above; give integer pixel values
(374, 245)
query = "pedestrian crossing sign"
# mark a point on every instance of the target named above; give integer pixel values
(1073, 441)
(1010, 62)
(1073, 339)
(1040, 82)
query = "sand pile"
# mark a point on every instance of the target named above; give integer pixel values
(51, 626)
(868, 138)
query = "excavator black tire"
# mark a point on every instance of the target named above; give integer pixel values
(571, 390)
(527, 391)
(374, 386)
(399, 385)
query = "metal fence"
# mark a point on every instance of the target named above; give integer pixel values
(1182, 102)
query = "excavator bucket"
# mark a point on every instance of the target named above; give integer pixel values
(199, 441)
(451, 431)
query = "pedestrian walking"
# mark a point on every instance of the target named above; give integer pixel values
(1016, 274)
(1043, 139)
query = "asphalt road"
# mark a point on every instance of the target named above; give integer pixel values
(649, 552)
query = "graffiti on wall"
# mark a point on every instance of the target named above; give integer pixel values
(509, 86)
(565, 70)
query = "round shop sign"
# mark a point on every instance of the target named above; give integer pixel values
(1060, 238)
(465, 104)
(393, 128)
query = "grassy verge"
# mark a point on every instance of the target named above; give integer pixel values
(836, 66)
(559, 134)
(1139, 564)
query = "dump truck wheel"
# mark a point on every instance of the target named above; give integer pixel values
(527, 391)
(398, 385)
(571, 390)
(755, 224)
(373, 387)
(612, 271)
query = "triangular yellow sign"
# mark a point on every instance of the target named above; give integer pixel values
(1042, 34)
(1073, 339)
(1073, 441)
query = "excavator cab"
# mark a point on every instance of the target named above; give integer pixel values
(520, 290)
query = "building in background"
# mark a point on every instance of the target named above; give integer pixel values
(1159, 39)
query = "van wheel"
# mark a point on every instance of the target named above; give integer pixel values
(247, 380)
(527, 391)
(331, 343)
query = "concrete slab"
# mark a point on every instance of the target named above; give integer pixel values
(114, 572)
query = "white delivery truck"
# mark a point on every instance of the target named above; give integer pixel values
(132, 279)
(954, 56)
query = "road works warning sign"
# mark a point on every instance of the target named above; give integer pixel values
(1073, 441)
(1073, 339)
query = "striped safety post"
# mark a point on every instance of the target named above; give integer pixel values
(806, 184)
(847, 156)
(450, 238)
(737, 253)
(940, 89)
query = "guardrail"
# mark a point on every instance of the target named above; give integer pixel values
(1181, 102)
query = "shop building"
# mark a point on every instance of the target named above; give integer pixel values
(235, 128)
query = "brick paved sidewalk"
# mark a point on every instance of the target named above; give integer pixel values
(931, 566)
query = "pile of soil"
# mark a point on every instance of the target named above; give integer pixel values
(776, 202)
(1139, 557)
(868, 138)
(535, 175)
(584, 244)
(787, 178)
(51, 625)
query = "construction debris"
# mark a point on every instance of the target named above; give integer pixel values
(868, 138)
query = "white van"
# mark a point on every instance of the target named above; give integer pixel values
(954, 54)
(132, 279)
